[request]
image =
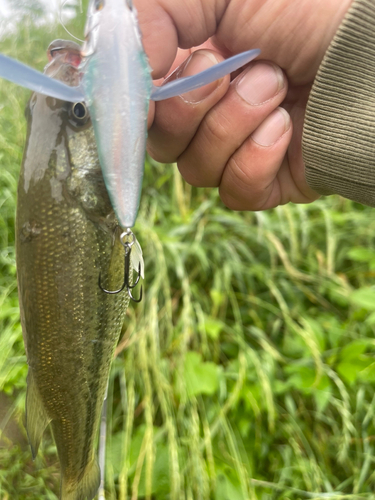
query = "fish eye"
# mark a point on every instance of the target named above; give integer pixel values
(99, 4)
(79, 110)
(79, 113)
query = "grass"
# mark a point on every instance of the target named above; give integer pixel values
(248, 370)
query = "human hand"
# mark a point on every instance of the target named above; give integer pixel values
(242, 136)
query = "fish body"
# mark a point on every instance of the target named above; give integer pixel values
(117, 84)
(67, 234)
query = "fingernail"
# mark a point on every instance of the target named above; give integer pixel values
(273, 127)
(197, 62)
(260, 83)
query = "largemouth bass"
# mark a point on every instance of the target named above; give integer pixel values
(67, 234)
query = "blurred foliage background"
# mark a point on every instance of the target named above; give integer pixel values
(248, 370)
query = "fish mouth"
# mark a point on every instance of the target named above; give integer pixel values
(64, 58)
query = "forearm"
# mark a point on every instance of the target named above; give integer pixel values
(339, 131)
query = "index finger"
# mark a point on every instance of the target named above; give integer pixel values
(169, 24)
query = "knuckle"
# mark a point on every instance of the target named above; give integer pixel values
(216, 128)
(195, 173)
(240, 172)
(229, 201)
(189, 172)
(159, 154)
(243, 189)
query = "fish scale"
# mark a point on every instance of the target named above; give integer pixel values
(67, 234)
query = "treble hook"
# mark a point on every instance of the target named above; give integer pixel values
(126, 284)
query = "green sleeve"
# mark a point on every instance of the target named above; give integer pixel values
(339, 131)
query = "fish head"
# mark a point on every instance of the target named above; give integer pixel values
(61, 141)
(64, 59)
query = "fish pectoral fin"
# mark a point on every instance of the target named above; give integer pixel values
(182, 85)
(84, 488)
(36, 416)
(23, 75)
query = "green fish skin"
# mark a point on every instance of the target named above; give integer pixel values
(67, 234)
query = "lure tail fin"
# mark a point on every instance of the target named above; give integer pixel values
(85, 488)
(36, 417)
(182, 85)
(23, 75)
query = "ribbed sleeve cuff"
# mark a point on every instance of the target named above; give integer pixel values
(339, 130)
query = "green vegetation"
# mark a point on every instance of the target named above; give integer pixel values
(247, 372)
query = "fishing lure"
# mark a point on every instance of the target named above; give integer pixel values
(116, 86)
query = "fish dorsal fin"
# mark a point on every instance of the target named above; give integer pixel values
(182, 85)
(36, 417)
(23, 75)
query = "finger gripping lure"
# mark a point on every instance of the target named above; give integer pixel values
(117, 86)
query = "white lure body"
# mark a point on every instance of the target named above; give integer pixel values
(117, 86)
